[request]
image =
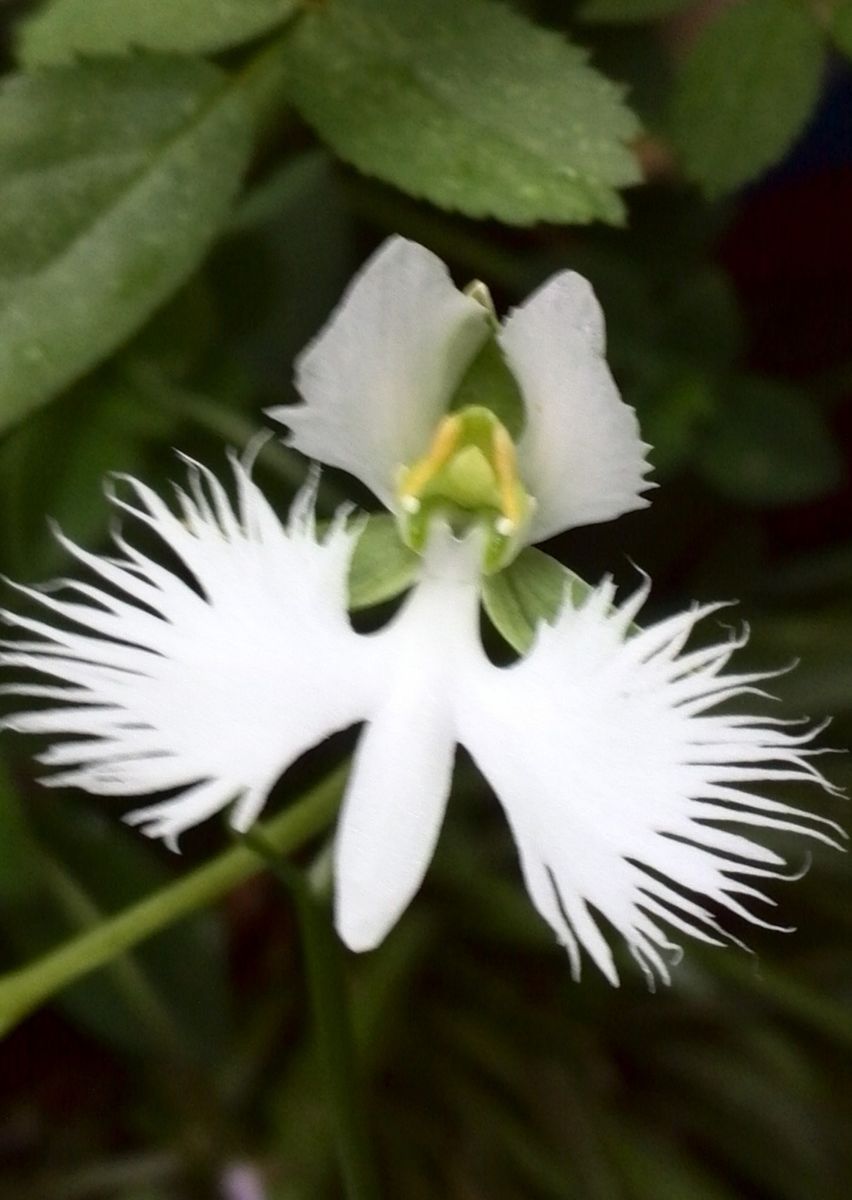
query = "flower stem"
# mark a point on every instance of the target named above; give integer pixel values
(332, 1024)
(23, 990)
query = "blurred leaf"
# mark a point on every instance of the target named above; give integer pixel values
(18, 850)
(640, 60)
(805, 577)
(674, 404)
(700, 318)
(184, 966)
(279, 274)
(54, 467)
(64, 29)
(382, 566)
(116, 177)
(746, 90)
(819, 643)
(629, 11)
(180, 335)
(770, 446)
(282, 190)
(657, 1171)
(467, 105)
(841, 26)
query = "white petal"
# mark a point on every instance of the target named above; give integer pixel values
(395, 802)
(580, 455)
(210, 688)
(614, 788)
(382, 372)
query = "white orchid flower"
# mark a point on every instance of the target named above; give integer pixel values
(618, 775)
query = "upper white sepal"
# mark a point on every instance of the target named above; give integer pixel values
(381, 373)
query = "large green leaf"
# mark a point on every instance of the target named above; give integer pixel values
(115, 176)
(467, 105)
(746, 90)
(65, 28)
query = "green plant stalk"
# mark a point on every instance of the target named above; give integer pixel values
(23, 990)
(332, 1025)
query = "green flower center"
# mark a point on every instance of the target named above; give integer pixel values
(468, 477)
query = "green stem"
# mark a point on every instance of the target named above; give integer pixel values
(333, 1026)
(23, 990)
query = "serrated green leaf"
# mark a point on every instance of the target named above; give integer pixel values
(530, 590)
(116, 176)
(746, 91)
(770, 446)
(628, 12)
(64, 29)
(382, 566)
(467, 105)
(841, 27)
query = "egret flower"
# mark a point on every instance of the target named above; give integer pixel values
(619, 774)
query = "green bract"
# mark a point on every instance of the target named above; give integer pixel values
(382, 566)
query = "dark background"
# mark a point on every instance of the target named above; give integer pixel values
(490, 1073)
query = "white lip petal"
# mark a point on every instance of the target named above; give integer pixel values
(380, 375)
(395, 801)
(580, 455)
(615, 789)
(392, 812)
(209, 686)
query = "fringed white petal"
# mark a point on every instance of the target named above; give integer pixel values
(381, 374)
(207, 683)
(620, 788)
(395, 801)
(580, 455)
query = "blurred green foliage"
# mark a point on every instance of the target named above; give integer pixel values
(172, 230)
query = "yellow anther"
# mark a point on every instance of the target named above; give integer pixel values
(443, 446)
(506, 469)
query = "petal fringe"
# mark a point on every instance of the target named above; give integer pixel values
(206, 683)
(622, 788)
